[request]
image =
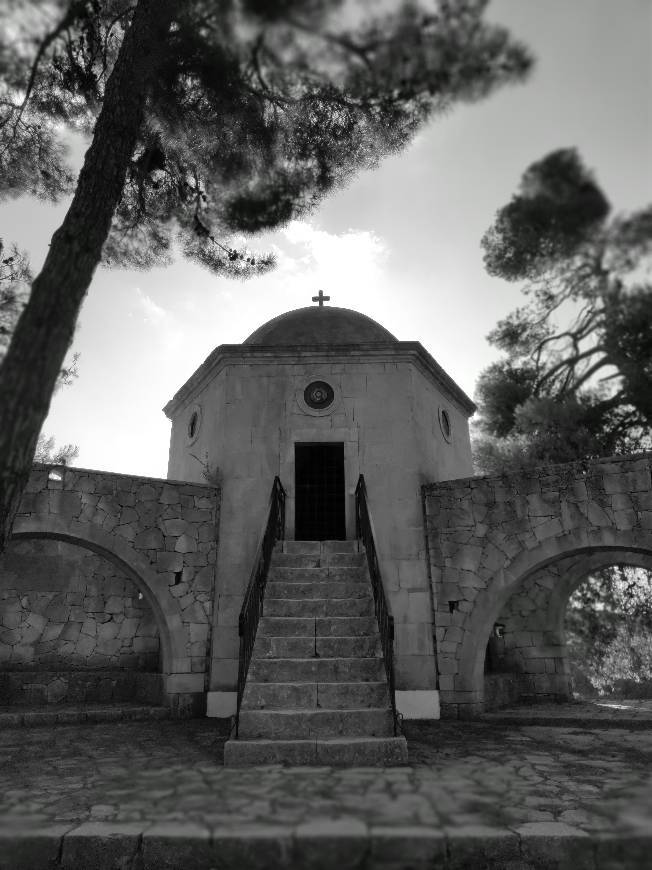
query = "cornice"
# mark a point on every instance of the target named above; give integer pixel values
(396, 351)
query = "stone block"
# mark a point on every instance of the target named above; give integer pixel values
(171, 845)
(35, 846)
(149, 539)
(185, 544)
(555, 844)
(101, 845)
(327, 843)
(184, 683)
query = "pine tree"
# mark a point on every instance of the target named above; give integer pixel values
(575, 380)
(208, 118)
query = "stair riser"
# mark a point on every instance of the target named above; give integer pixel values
(260, 696)
(284, 647)
(347, 626)
(308, 560)
(318, 575)
(318, 607)
(279, 725)
(302, 547)
(328, 696)
(348, 647)
(316, 670)
(337, 626)
(321, 647)
(343, 696)
(279, 627)
(321, 589)
(381, 752)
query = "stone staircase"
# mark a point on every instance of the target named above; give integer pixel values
(316, 691)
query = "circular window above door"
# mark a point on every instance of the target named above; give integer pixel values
(319, 395)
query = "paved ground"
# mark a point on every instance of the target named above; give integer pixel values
(154, 794)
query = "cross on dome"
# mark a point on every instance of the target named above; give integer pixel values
(321, 298)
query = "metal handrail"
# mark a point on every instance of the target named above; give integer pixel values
(364, 531)
(252, 606)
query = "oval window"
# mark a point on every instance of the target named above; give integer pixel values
(445, 424)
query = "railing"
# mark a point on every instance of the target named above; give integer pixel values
(252, 606)
(364, 531)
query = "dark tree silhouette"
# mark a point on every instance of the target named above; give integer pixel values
(208, 118)
(582, 387)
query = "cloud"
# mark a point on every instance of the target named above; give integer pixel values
(153, 312)
(352, 261)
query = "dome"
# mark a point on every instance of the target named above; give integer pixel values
(320, 324)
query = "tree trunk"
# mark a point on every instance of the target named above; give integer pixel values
(45, 330)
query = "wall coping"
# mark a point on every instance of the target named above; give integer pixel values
(579, 466)
(42, 466)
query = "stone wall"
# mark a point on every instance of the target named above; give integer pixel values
(488, 536)
(65, 607)
(162, 536)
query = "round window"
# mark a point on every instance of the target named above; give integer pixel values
(318, 395)
(445, 424)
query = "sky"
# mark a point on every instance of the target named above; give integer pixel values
(400, 244)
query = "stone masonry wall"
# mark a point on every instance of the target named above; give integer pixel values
(161, 534)
(64, 607)
(488, 535)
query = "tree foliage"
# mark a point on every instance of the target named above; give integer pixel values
(48, 453)
(609, 628)
(209, 119)
(254, 112)
(575, 379)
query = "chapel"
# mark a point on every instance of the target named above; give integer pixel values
(319, 396)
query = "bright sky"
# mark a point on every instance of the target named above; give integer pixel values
(401, 244)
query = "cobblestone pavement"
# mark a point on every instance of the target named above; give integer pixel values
(510, 786)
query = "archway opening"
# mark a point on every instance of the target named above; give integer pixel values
(574, 628)
(75, 627)
(608, 631)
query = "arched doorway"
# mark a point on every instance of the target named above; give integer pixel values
(78, 625)
(526, 658)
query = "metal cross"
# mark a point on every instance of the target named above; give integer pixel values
(321, 298)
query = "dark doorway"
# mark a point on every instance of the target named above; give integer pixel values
(319, 480)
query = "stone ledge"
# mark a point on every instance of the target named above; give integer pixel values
(68, 714)
(322, 843)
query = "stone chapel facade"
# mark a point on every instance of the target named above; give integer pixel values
(120, 587)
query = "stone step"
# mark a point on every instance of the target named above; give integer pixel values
(348, 670)
(328, 696)
(317, 607)
(317, 647)
(304, 724)
(331, 626)
(347, 626)
(338, 751)
(311, 547)
(329, 573)
(318, 560)
(318, 589)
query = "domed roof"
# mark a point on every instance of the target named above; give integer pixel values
(320, 324)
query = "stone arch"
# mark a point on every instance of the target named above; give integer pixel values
(134, 565)
(602, 546)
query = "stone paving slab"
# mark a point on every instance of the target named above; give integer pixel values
(149, 795)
